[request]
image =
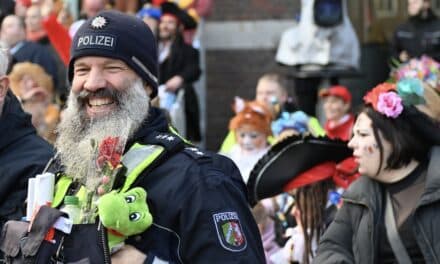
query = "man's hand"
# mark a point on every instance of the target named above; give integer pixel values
(128, 255)
(174, 83)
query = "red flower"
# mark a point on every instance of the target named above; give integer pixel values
(109, 151)
(372, 97)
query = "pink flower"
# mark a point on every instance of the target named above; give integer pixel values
(390, 104)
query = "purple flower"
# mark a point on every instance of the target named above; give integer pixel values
(390, 104)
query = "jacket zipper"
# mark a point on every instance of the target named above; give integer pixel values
(101, 231)
(369, 224)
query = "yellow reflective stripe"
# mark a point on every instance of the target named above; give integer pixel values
(82, 195)
(174, 131)
(137, 159)
(61, 188)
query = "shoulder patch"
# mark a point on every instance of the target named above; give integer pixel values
(196, 153)
(169, 141)
(229, 231)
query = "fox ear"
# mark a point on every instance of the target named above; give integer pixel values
(239, 104)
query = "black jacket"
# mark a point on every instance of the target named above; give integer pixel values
(418, 36)
(184, 61)
(185, 193)
(353, 235)
(190, 193)
(23, 154)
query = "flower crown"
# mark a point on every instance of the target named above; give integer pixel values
(389, 98)
(425, 69)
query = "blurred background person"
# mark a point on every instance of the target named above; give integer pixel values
(13, 33)
(37, 31)
(89, 8)
(251, 126)
(337, 105)
(263, 213)
(419, 34)
(21, 7)
(179, 67)
(151, 16)
(271, 90)
(34, 87)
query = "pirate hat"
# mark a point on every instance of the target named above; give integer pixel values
(170, 8)
(290, 158)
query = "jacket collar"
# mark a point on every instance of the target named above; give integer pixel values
(432, 189)
(155, 122)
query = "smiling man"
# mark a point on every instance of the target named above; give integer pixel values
(192, 194)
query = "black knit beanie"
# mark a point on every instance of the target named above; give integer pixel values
(120, 36)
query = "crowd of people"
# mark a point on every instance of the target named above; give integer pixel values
(104, 101)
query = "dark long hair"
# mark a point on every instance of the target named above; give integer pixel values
(311, 201)
(411, 135)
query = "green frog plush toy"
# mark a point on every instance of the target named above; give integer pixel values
(124, 215)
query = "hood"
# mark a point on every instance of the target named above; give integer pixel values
(14, 122)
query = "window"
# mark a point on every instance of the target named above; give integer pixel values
(386, 8)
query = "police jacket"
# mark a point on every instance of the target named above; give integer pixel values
(23, 154)
(353, 235)
(418, 36)
(198, 203)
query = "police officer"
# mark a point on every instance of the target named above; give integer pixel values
(197, 198)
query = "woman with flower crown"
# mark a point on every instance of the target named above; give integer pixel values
(390, 214)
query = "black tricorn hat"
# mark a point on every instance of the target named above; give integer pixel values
(289, 158)
(171, 8)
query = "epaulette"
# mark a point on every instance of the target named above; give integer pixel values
(171, 142)
(196, 153)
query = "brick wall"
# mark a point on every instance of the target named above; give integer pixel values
(254, 9)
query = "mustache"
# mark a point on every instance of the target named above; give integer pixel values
(84, 95)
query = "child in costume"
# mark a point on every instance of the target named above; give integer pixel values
(339, 120)
(251, 127)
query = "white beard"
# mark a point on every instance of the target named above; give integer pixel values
(76, 130)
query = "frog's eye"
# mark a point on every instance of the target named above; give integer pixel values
(134, 216)
(130, 198)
